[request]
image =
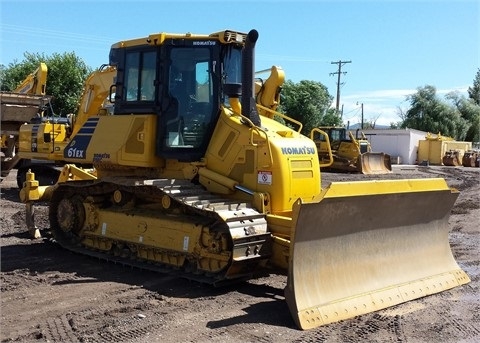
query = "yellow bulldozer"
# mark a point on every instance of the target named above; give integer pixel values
(350, 154)
(193, 174)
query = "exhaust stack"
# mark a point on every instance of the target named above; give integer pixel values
(249, 105)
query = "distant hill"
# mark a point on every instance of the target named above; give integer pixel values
(359, 125)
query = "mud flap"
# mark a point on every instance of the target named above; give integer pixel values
(374, 163)
(367, 246)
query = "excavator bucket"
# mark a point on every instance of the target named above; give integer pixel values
(374, 163)
(451, 158)
(369, 245)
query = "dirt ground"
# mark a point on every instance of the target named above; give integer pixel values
(49, 294)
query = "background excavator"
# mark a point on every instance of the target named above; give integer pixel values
(350, 154)
(42, 141)
(193, 174)
(34, 83)
(27, 102)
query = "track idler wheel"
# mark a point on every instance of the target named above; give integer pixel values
(70, 215)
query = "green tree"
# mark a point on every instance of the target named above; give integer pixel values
(402, 115)
(474, 91)
(429, 113)
(65, 79)
(468, 110)
(331, 118)
(308, 102)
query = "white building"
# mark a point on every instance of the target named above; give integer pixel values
(400, 144)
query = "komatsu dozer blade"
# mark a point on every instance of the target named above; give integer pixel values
(374, 163)
(369, 245)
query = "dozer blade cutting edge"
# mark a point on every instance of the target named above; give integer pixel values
(369, 245)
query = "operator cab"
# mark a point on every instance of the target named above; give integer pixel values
(179, 81)
(336, 135)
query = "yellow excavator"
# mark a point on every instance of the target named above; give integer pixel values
(34, 83)
(42, 141)
(193, 174)
(350, 154)
(28, 101)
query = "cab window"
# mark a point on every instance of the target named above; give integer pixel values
(191, 88)
(140, 76)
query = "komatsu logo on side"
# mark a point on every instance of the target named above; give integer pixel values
(99, 157)
(208, 42)
(298, 150)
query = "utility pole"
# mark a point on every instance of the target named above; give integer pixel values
(362, 116)
(361, 125)
(339, 72)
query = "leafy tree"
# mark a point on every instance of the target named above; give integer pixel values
(402, 115)
(331, 118)
(16, 72)
(429, 113)
(65, 79)
(474, 91)
(2, 76)
(470, 111)
(308, 102)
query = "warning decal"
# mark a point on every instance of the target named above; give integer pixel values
(264, 177)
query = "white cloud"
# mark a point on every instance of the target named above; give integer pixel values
(382, 106)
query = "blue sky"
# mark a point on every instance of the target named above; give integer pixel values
(394, 46)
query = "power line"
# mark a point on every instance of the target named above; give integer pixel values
(339, 72)
(51, 34)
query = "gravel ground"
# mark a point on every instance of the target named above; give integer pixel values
(49, 294)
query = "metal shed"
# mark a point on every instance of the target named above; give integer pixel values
(400, 144)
